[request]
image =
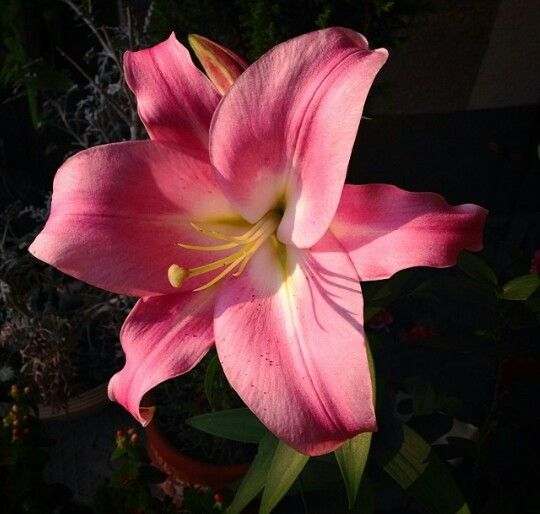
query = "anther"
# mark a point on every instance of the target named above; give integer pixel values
(177, 275)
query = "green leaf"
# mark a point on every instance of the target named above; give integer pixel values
(255, 478)
(352, 456)
(521, 288)
(418, 470)
(381, 293)
(319, 474)
(286, 465)
(410, 461)
(209, 377)
(117, 453)
(352, 459)
(365, 501)
(478, 270)
(236, 424)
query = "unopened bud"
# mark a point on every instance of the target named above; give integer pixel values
(134, 439)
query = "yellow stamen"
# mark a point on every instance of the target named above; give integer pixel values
(177, 275)
(249, 242)
(218, 277)
(215, 248)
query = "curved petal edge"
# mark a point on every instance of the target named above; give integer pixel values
(163, 337)
(175, 100)
(386, 229)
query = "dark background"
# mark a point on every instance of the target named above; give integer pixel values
(454, 111)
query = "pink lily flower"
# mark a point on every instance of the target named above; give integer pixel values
(235, 227)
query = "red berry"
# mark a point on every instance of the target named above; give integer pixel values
(218, 498)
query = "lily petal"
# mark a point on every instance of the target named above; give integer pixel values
(290, 338)
(163, 337)
(283, 134)
(222, 65)
(174, 98)
(118, 211)
(386, 229)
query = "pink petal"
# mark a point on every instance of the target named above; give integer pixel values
(283, 134)
(118, 211)
(163, 337)
(290, 338)
(222, 65)
(175, 100)
(386, 229)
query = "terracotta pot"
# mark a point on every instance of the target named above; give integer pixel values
(185, 471)
(83, 404)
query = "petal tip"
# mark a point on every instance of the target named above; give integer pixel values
(146, 414)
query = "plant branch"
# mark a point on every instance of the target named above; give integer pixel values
(101, 90)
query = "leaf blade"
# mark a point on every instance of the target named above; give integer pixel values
(236, 424)
(353, 455)
(352, 459)
(521, 288)
(478, 270)
(287, 464)
(209, 378)
(254, 480)
(420, 472)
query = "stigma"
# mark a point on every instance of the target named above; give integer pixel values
(246, 245)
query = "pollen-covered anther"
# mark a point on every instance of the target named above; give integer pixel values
(177, 275)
